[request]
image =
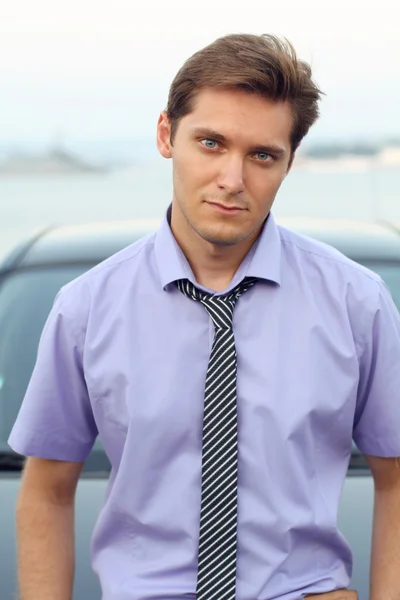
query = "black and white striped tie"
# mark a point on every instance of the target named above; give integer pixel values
(216, 576)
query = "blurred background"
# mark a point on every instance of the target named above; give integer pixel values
(82, 84)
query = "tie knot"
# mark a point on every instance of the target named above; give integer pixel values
(220, 308)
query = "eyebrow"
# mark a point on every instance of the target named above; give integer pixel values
(218, 137)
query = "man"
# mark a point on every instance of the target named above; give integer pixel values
(226, 363)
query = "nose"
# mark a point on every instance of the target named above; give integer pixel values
(231, 175)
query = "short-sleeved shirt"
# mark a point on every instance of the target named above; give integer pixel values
(124, 355)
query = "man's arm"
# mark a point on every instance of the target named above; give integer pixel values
(385, 558)
(45, 529)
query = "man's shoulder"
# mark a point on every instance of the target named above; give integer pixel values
(108, 276)
(313, 252)
(132, 255)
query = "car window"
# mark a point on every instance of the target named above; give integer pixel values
(26, 297)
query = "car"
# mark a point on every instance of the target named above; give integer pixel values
(30, 277)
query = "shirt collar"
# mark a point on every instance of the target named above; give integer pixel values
(262, 261)
(171, 262)
(265, 262)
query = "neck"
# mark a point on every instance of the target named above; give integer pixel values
(213, 266)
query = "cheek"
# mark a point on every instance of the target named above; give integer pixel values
(192, 174)
(188, 182)
(263, 186)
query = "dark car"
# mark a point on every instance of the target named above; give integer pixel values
(29, 280)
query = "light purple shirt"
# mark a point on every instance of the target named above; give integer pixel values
(124, 355)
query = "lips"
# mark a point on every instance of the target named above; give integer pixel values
(224, 208)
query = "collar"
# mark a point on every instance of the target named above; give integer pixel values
(262, 261)
(265, 262)
(171, 262)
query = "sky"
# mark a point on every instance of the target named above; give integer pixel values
(100, 69)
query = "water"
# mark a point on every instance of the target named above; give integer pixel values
(29, 203)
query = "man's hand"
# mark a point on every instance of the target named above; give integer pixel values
(336, 595)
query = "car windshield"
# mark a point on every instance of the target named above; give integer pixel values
(26, 298)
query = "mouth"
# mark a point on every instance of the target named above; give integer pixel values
(224, 208)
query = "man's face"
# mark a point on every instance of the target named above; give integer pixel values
(230, 156)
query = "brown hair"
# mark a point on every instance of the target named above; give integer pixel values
(260, 64)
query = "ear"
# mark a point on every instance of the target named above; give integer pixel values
(164, 135)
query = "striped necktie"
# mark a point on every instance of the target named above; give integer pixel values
(216, 576)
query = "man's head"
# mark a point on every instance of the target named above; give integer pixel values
(237, 111)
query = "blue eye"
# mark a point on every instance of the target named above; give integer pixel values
(211, 144)
(263, 156)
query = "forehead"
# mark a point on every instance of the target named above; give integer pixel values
(236, 113)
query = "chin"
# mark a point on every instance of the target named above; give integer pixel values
(219, 238)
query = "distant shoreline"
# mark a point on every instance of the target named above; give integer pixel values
(351, 162)
(56, 162)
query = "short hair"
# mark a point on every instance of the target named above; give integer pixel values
(261, 64)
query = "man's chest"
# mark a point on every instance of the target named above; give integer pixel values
(297, 375)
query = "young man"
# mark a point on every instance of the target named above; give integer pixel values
(226, 363)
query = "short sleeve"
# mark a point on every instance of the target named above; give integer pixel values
(377, 420)
(56, 420)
